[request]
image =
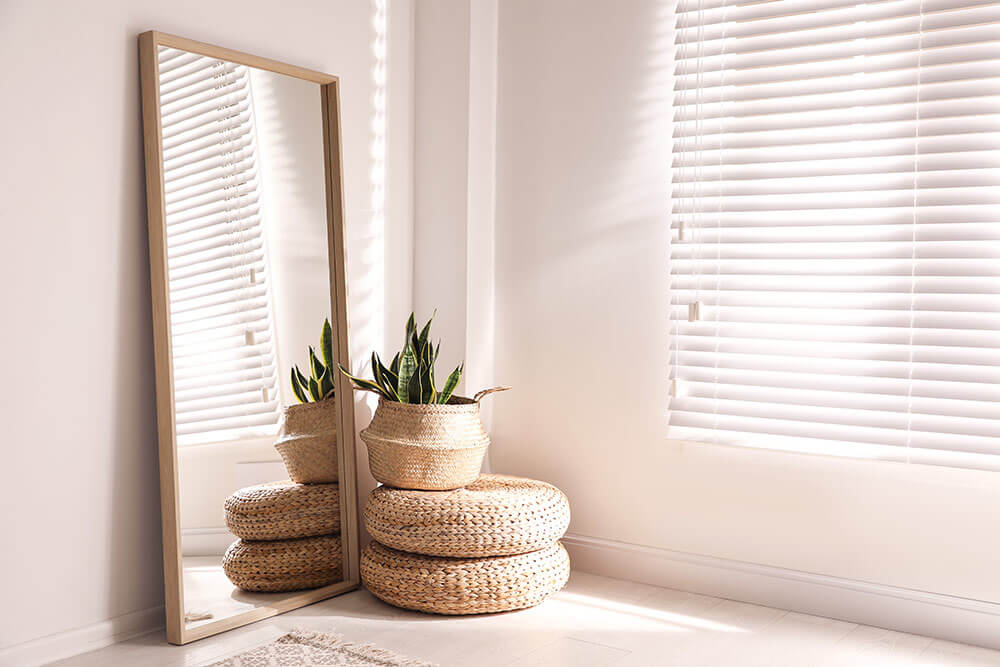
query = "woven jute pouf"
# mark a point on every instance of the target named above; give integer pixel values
(284, 510)
(463, 585)
(284, 565)
(308, 442)
(494, 516)
(426, 446)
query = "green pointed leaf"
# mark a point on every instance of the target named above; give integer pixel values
(450, 384)
(376, 369)
(385, 381)
(394, 366)
(326, 383)
(414, 389)
(326, 344)
(425, 332)
(368, 384)
(303, 380)
(315, 365)
(389, 379)
(411, 326)
(426, 388)
(407, 370)
(314, 390)
(297, 389)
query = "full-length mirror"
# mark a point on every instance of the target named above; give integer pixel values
(247, 265)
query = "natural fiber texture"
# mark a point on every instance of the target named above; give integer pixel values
(431, 447)
(495, 515)
(284, 510)
(284, 565)
(463, 585)
(318, 649)
(308, 442)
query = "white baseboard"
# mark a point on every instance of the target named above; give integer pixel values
(205, 541)
(918, 612)
(80, 640)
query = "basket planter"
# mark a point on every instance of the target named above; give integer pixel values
(426, 446)
(308, 442)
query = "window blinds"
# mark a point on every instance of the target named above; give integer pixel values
(220, 311)
(835, 246)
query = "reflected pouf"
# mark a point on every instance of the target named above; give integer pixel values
(284, 565)
(284, 510)
(463, 585)
(496, 515)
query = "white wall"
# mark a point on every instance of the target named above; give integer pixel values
(581, 334)
(289, 118)
(79, 505)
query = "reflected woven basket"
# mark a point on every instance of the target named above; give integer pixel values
(284, 565)
(426, 446)
(283, 510)
(307, 442)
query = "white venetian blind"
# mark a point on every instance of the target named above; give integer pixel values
(835, 253)
(220, 311)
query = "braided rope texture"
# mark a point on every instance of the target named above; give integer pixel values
(497, 515)
(284, 565)
(429, 447)
(283, 510)
(463, 585)
(308, 442)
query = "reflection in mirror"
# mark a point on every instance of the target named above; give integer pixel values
(249, 289)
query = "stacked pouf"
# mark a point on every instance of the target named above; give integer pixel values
(489, 547)
(289, 537)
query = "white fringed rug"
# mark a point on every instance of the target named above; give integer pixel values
(317, 649)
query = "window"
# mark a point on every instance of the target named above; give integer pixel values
(835, 253)
(220, 310)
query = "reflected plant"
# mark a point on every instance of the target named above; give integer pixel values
(410, 376)
(318, 385)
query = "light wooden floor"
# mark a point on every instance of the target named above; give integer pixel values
(594, 621)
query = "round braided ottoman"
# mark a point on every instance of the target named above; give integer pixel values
(463, 585)
(496, 515)
(284, 565)
(283, 510)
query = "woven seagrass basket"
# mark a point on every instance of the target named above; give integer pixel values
(427, 446)
(308, 442)
(463, 585)
(284, 565)
(496, 515)
(283, 510)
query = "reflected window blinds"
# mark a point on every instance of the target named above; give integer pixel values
(220, 311)
(835, 246)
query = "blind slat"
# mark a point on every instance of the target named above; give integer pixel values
(225, 376)
(835, 228)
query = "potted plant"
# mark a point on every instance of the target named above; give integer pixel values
(307, 441)
(422, 436)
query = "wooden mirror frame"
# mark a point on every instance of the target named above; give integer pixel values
(177, 633)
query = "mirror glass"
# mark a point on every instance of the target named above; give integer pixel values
(248, 273)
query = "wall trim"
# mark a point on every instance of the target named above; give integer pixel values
(73, 642)
(907, 610)
(205, 541)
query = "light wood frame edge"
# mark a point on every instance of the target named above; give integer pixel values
(177, 633)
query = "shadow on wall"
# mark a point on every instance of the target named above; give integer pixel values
(134, 543)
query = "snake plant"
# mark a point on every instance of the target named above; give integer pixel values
(318, 385)
(410, 376)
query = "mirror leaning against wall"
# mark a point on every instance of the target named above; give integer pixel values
(246, 231)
